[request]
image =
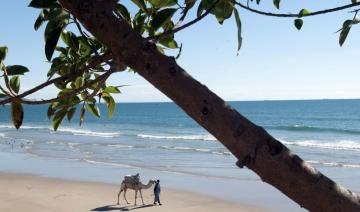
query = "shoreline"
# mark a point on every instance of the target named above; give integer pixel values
(23, 192)
(230, 190)
(234, 191)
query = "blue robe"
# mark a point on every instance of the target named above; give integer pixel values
(157, 191)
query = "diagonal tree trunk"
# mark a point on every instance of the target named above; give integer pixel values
(251, 144)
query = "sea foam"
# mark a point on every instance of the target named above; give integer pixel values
(89, 133)
(107, 163)
(73, 131)
(315, 129)
(336, 145)
(179, 137)
(333, 164)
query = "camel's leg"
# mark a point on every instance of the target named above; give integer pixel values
(125, 197)
(118, 202)
(141, 197)
(135, 195)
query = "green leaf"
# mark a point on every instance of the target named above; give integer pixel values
(3, 52)
(51, 43)
(15, 84)
(298, 23)
(138, 23)
(70, 39)
(57, 65)
(112, 89)
(44, 4)
(58, 118)
(124, 12)
(110, 103)
(162, 17)
(141, 4)
(16, 70)
(52, 34)
(162, 3)
(71, 113)
(40, 20)
(223, 10)
(200, 9)
(94, 109)
(84, 47)
(277, 3)
(304, 12)
(17, 114)
(238, 24)
(57, 15)
(345, 31)
(82, 115)
(189, 4)
(51, 111)
(169, 42)
(79, 82)
(63, 50)
(60, 85)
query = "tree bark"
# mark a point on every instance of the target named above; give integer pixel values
(251, 144)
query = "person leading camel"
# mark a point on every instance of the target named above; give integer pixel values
(157, 191)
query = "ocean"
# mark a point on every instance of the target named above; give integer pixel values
(160, 139)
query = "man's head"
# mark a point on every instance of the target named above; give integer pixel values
(158, 181)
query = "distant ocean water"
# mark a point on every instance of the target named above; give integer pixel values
(160, 136)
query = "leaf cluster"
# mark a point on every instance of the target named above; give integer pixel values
(71, 55)
(159, 20)
(13, 86)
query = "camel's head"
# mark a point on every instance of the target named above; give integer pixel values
(152, 181)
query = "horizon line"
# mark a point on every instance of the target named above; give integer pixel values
(255, 100)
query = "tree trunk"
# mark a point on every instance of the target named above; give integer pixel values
(251, 144)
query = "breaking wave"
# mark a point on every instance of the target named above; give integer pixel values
(201, 150)
(107, 163)
(2, 126)
(78, 132)
(120, 146)
(304, 128)
(89, 133)
(333, 164)
(336, 145)
(179, 137)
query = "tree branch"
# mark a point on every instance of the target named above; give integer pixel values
(4, 91)
(292, 15)
(96, 61)
(100, 79)
(173, 31)
(98, 87)
(7, 84)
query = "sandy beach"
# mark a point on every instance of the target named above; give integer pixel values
(33, 193)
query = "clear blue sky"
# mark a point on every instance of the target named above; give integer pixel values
(275, 62)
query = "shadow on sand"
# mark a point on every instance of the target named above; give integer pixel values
(118, 208)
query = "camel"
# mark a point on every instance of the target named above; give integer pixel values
(133, 182)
